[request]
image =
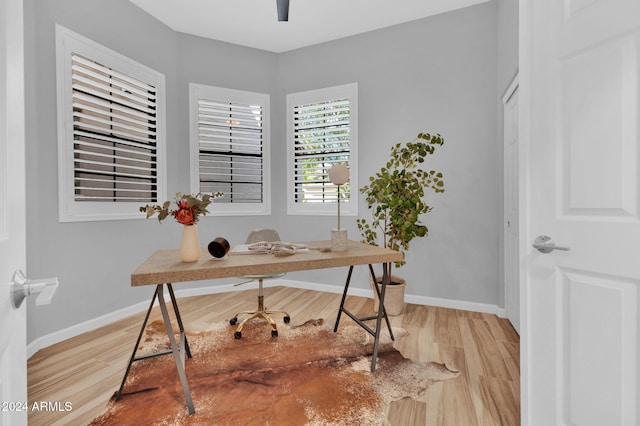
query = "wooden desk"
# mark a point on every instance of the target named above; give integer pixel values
(164, 267)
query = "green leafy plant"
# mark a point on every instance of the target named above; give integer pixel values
(188, 211)
(395, 195)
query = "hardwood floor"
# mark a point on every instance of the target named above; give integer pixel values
(86, 370)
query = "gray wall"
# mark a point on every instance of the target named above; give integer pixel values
(437, 74)
(507, 43)
(94, 260)
(434, 75)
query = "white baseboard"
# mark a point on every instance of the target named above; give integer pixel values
(92, 324)
(456, 304)
(409, 298)
(83, 327)
(327, 288)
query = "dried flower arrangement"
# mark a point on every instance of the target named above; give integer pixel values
(189, 208)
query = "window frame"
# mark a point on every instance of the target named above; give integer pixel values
(70, 210)
(349, 91)
(215, 93)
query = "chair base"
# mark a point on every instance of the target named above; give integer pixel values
(260, 313)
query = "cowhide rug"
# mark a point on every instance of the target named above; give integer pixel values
(308, 375)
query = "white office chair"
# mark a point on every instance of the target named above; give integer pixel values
(259, 235)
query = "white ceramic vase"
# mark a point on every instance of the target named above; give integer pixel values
(190, 245)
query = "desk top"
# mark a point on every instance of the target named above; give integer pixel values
(165, 266)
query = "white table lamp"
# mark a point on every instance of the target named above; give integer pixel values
(339, 175)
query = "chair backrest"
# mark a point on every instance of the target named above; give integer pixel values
(258, 235)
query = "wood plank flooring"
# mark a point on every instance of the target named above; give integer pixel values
(86, 370)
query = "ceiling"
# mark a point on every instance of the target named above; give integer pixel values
(254, 23)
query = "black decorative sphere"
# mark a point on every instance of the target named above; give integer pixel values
(219, 247)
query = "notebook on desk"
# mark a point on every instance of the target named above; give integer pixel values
(265, 247)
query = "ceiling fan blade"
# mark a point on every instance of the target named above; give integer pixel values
(283, 10)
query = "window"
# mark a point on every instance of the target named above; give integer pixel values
(111, 132)
(322, 131)
(230, 148)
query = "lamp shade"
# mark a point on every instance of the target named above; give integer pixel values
(339, 174)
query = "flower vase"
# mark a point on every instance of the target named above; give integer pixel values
(190, 245)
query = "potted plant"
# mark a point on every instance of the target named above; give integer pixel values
(395, 196)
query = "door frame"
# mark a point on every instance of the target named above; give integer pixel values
(513, 87)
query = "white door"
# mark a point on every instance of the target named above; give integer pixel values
(13, 346)
(579, 117)
(510, 225)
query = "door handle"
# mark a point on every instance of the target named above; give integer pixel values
(21, 287)
(544, 244)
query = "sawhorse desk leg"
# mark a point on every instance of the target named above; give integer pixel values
(382, 312)
(178, 350)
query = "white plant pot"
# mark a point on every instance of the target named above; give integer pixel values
(393, 297)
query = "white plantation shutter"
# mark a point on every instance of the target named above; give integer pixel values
(321, 139)
(230, 144)
(322, 132)
(114, 135)
(230, 147)
(111, 135)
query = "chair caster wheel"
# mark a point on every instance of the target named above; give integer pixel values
(274, 333)
(287, 319)
(237, 334)
(233, 320)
